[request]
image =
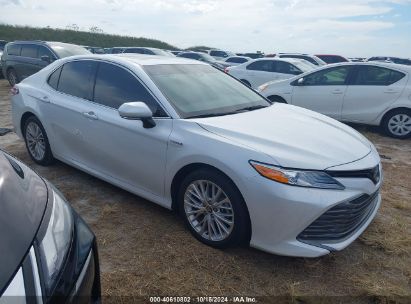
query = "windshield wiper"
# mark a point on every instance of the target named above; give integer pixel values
(251, 108)
(211, 115)
(228, 113)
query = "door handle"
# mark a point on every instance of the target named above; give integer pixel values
(90, 115)
(45, 99)
(390, 91)
(337, 92)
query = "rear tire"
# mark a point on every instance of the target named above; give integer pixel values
(213, 209)
(12, 77)
(37, 142)
(397, 123)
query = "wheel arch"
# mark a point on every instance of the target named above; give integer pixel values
(26, 115)
(384, 116)
(182, 173)
(277, 96)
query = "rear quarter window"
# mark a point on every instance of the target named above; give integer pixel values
(377, 76)
(53, 80)
(14, 49)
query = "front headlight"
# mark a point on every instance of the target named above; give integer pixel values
(295, 177)
(56, 241)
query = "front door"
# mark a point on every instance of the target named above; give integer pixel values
(322, 91)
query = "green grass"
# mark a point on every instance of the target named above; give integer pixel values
(11, 33)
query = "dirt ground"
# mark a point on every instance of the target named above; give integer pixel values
(146, 251)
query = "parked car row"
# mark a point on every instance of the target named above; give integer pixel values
(380, 98)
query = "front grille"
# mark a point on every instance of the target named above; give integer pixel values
(341, 221)
(373, 174)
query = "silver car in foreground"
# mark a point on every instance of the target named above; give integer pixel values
(189, 137)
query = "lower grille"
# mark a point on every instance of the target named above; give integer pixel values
(341, 221)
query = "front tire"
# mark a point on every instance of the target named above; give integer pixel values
(37, 143)
(213, 209)
(397, 124)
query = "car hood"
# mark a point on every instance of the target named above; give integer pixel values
(23, 199)
(294, 137)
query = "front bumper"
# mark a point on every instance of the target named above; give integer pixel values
(279, 213)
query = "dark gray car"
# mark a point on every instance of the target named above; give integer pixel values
(21, 59)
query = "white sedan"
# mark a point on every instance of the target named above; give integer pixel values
(188, 137)
(368, 93)
(259, 71)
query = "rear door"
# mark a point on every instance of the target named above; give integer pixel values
(67, 106)
(323, 91)
(260, 71)
(372, 90)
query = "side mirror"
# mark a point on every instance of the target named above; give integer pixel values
(300, 81)
(137, 111)
(45, 58)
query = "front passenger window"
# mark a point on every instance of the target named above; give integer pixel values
(334, 76)
(115, 86)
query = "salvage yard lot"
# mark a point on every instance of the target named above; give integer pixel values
(146, 251)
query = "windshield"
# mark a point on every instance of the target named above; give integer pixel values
(201, 90)
(304, 66)
(66, 50)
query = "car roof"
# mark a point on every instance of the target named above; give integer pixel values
(289, 60)
(43, 42)
(138, 59)
(393, 66)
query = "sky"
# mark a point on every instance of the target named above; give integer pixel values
(354, 28)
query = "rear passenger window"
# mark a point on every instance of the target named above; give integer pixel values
(29, 50)
(77, 77)
(373, 75)
(261, 65)
(286, 68)
(115, 86)
(53, 80)
(14, 49)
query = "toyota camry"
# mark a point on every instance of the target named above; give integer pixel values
(180, 133)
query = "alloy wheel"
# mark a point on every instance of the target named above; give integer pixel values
(35, 141)
(209, 210)
(400, 124)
